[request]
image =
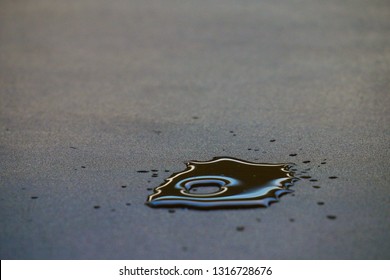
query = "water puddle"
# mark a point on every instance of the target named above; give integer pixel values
(224, 183)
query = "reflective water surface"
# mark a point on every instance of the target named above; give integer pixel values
(224, 183)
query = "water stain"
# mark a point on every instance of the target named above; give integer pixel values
(224, 183)
(240, 228)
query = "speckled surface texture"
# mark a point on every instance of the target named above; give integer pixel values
(92, 91)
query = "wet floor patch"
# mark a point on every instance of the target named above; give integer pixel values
(224, 183)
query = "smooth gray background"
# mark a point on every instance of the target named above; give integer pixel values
(121, 81)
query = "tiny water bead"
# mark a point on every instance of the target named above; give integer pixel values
(224, 183)
(240, 228)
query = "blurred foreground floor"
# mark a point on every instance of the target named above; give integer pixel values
(92, 91)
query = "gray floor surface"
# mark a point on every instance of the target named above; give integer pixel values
(92, 91)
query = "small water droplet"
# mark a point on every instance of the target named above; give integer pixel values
(195, 117)
(73, 147)
(333, 177)
(96, 207)
(240, 228)
(305, 177)
(272, 140)
(313, 180)
(171, 211)
(128, 204)
(142, 171)
(292, 220)
(292, 155)
(124, 186)
(331, 217)
(83, 166)
(34, 197)
(316, 187)
(323, 162)
(224, 183)
(320, 203)
(306, 161)
(154, 170)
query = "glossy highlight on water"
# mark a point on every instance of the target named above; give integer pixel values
(224, 183)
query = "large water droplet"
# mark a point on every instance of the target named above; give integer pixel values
(224, 183)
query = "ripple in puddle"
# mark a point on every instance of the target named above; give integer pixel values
(224, 183)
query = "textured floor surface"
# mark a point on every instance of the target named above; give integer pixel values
(93, 91)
